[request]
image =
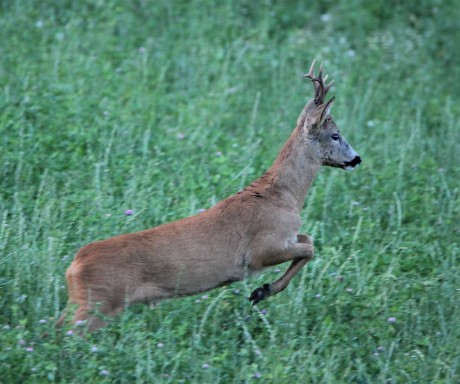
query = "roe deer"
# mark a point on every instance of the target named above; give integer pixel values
(253, 229)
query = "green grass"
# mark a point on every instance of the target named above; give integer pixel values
(167, 107)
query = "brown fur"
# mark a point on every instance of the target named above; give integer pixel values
(256, 228)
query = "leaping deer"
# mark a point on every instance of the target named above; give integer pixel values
(256, 228)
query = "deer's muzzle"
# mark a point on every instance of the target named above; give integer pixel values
(350, 165)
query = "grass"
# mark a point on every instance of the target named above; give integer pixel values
(168, 107)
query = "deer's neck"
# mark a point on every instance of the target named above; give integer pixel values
(293, 171)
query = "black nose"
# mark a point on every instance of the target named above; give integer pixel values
(355, 161)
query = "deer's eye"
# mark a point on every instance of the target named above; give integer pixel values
(335, 136)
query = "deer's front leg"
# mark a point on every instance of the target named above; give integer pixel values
(301, 253)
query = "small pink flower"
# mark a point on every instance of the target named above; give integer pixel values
(205, 366)
(103, 372)
(42, 321)
(391, 319)
(69, 333)
(129, 212)
(201, 210)
(29, 349)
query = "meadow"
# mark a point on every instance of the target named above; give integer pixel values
(166, 107)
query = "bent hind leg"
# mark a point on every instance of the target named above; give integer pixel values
(148, 293)
(60, 322)
(92, 301)
(93, 318)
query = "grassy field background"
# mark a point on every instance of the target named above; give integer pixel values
(165, 108)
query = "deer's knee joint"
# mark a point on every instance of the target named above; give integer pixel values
(302, 238)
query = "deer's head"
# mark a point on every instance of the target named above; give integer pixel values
(320, 129)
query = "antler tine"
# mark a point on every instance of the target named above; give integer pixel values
(321, 88)
(321, 69)
(310, 73)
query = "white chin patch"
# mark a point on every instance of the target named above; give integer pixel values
(349, 168)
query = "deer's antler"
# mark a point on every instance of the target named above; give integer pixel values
(321, 88)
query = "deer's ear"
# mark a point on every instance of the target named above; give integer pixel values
(325, 111)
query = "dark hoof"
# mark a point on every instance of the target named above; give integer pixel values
(259, 294)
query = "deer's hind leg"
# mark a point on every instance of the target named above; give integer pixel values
(96, 306)
(92, 301)
(149, 293)
(93, 317)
